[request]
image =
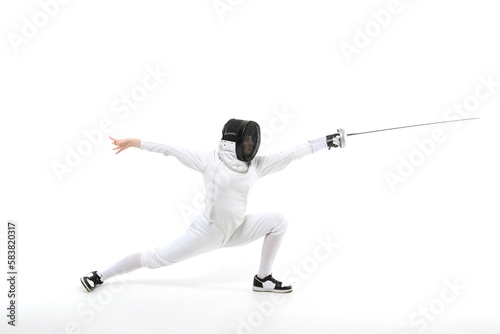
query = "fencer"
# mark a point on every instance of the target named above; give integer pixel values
(228, 172)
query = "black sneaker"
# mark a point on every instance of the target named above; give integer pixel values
(91, 280)
(269, 284)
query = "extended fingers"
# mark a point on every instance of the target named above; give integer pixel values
(120, 144)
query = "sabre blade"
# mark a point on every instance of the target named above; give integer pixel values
(411, 126)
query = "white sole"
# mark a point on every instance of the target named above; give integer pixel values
(255, 288)
(84, 285)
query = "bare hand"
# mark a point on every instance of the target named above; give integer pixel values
(123, 144)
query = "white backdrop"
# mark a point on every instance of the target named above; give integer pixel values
(396, 233)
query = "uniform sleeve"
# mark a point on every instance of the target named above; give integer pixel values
(196, 160)
(269, 164)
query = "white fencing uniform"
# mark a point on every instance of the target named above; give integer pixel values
(223, 222)
(227, 184)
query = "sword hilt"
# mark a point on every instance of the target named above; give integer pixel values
(337, 139)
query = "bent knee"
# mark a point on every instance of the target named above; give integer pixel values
(280, 224)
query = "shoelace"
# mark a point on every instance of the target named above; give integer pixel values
(272, 279)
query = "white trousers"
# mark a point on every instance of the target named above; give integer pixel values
(203, 236)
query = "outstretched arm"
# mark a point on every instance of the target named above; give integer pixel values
(196, 160)
(275, 162)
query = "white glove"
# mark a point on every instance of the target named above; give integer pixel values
(337, 139)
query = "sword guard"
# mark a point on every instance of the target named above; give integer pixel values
(342, 137)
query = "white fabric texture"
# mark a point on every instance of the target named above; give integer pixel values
(223, 222)
(125, 265)
(226, 186)
(226, 153)
(318, 144)
(203, 236)
(270, 248)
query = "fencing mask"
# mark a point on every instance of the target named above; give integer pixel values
(246, 135)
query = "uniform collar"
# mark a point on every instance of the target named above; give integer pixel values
(227, 153)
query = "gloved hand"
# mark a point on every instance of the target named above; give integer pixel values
(337, 139)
